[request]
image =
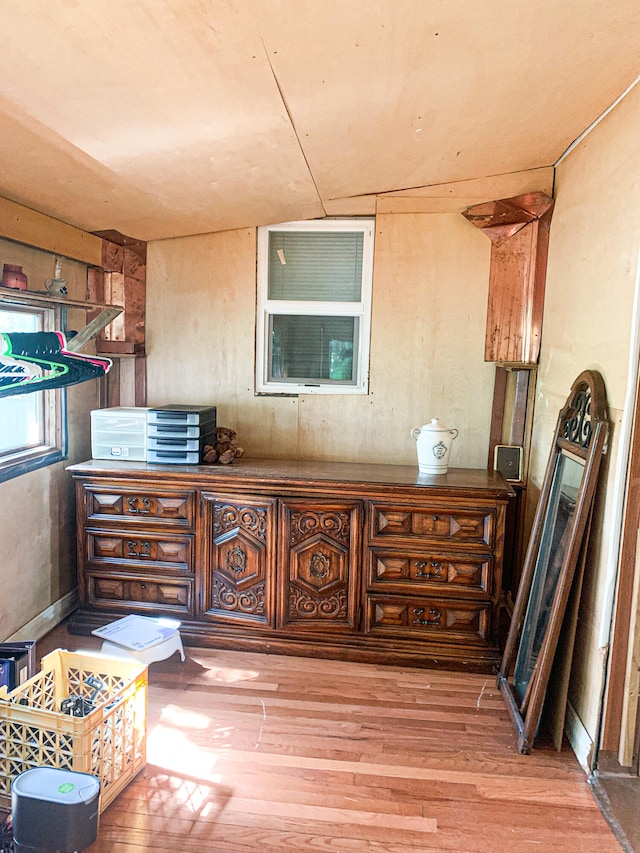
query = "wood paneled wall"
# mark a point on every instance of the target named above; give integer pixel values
(427, 344)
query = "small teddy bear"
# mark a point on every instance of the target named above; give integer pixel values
(225, 447)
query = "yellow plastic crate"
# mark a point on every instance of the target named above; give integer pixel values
(109, 742)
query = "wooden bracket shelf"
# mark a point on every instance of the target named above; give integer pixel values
(42, 297)
(96, 325)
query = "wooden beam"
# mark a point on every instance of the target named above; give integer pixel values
(31, 228)
(92, 328)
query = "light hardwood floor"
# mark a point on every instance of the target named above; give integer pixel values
(252, 753)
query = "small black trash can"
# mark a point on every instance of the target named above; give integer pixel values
(54, 810)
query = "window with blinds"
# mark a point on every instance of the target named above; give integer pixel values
(314, 306)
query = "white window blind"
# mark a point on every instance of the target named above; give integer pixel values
(316, 266)
(314, 304)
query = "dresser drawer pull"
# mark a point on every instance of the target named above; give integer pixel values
(418, 613)
(139, 506)
(236, 560)
(138, 549)
(422, 564)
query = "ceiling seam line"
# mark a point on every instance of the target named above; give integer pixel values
(448, 183)
(295, 131)
(400, 190)
(596, 122)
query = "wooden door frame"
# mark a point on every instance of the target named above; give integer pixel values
(611, 735)
(611, 744)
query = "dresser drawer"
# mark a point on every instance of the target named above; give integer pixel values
(424, 617)
(115, 591)
(401, 571)
(466, 527)
(147, 553)
(141, 507)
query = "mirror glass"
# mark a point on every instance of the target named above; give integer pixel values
(553, 545)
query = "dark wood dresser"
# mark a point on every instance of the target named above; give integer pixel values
(331, 559)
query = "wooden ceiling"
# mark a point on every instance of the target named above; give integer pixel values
(162, 118)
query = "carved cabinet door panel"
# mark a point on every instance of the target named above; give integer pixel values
(238, 560)
(319, 565)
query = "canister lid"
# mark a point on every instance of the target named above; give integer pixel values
(435, 426)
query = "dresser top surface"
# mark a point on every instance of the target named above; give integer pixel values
(281, 472)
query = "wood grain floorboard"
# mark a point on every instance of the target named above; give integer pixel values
(251, 753)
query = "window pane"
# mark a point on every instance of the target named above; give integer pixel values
(19, 321)
(20, 422)
(21, 415)
(312, 349)
(320, 266)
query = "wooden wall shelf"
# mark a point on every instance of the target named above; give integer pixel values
(43, 297)
(107, 313)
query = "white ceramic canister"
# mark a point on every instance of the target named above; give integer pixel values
(434, 442)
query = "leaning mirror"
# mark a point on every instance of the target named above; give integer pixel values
(557, 537)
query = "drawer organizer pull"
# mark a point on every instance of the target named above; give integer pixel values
(418, 613)
(139, 549)
(135, 508)
(422, 564)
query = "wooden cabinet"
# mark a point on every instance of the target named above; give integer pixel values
(363, 562)
(238, 540)
(320, 560)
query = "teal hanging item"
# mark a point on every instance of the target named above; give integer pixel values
(37, 361)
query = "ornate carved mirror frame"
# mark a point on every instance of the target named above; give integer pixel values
(557, 536)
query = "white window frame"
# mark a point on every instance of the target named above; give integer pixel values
(360, 310)
(52, 444)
